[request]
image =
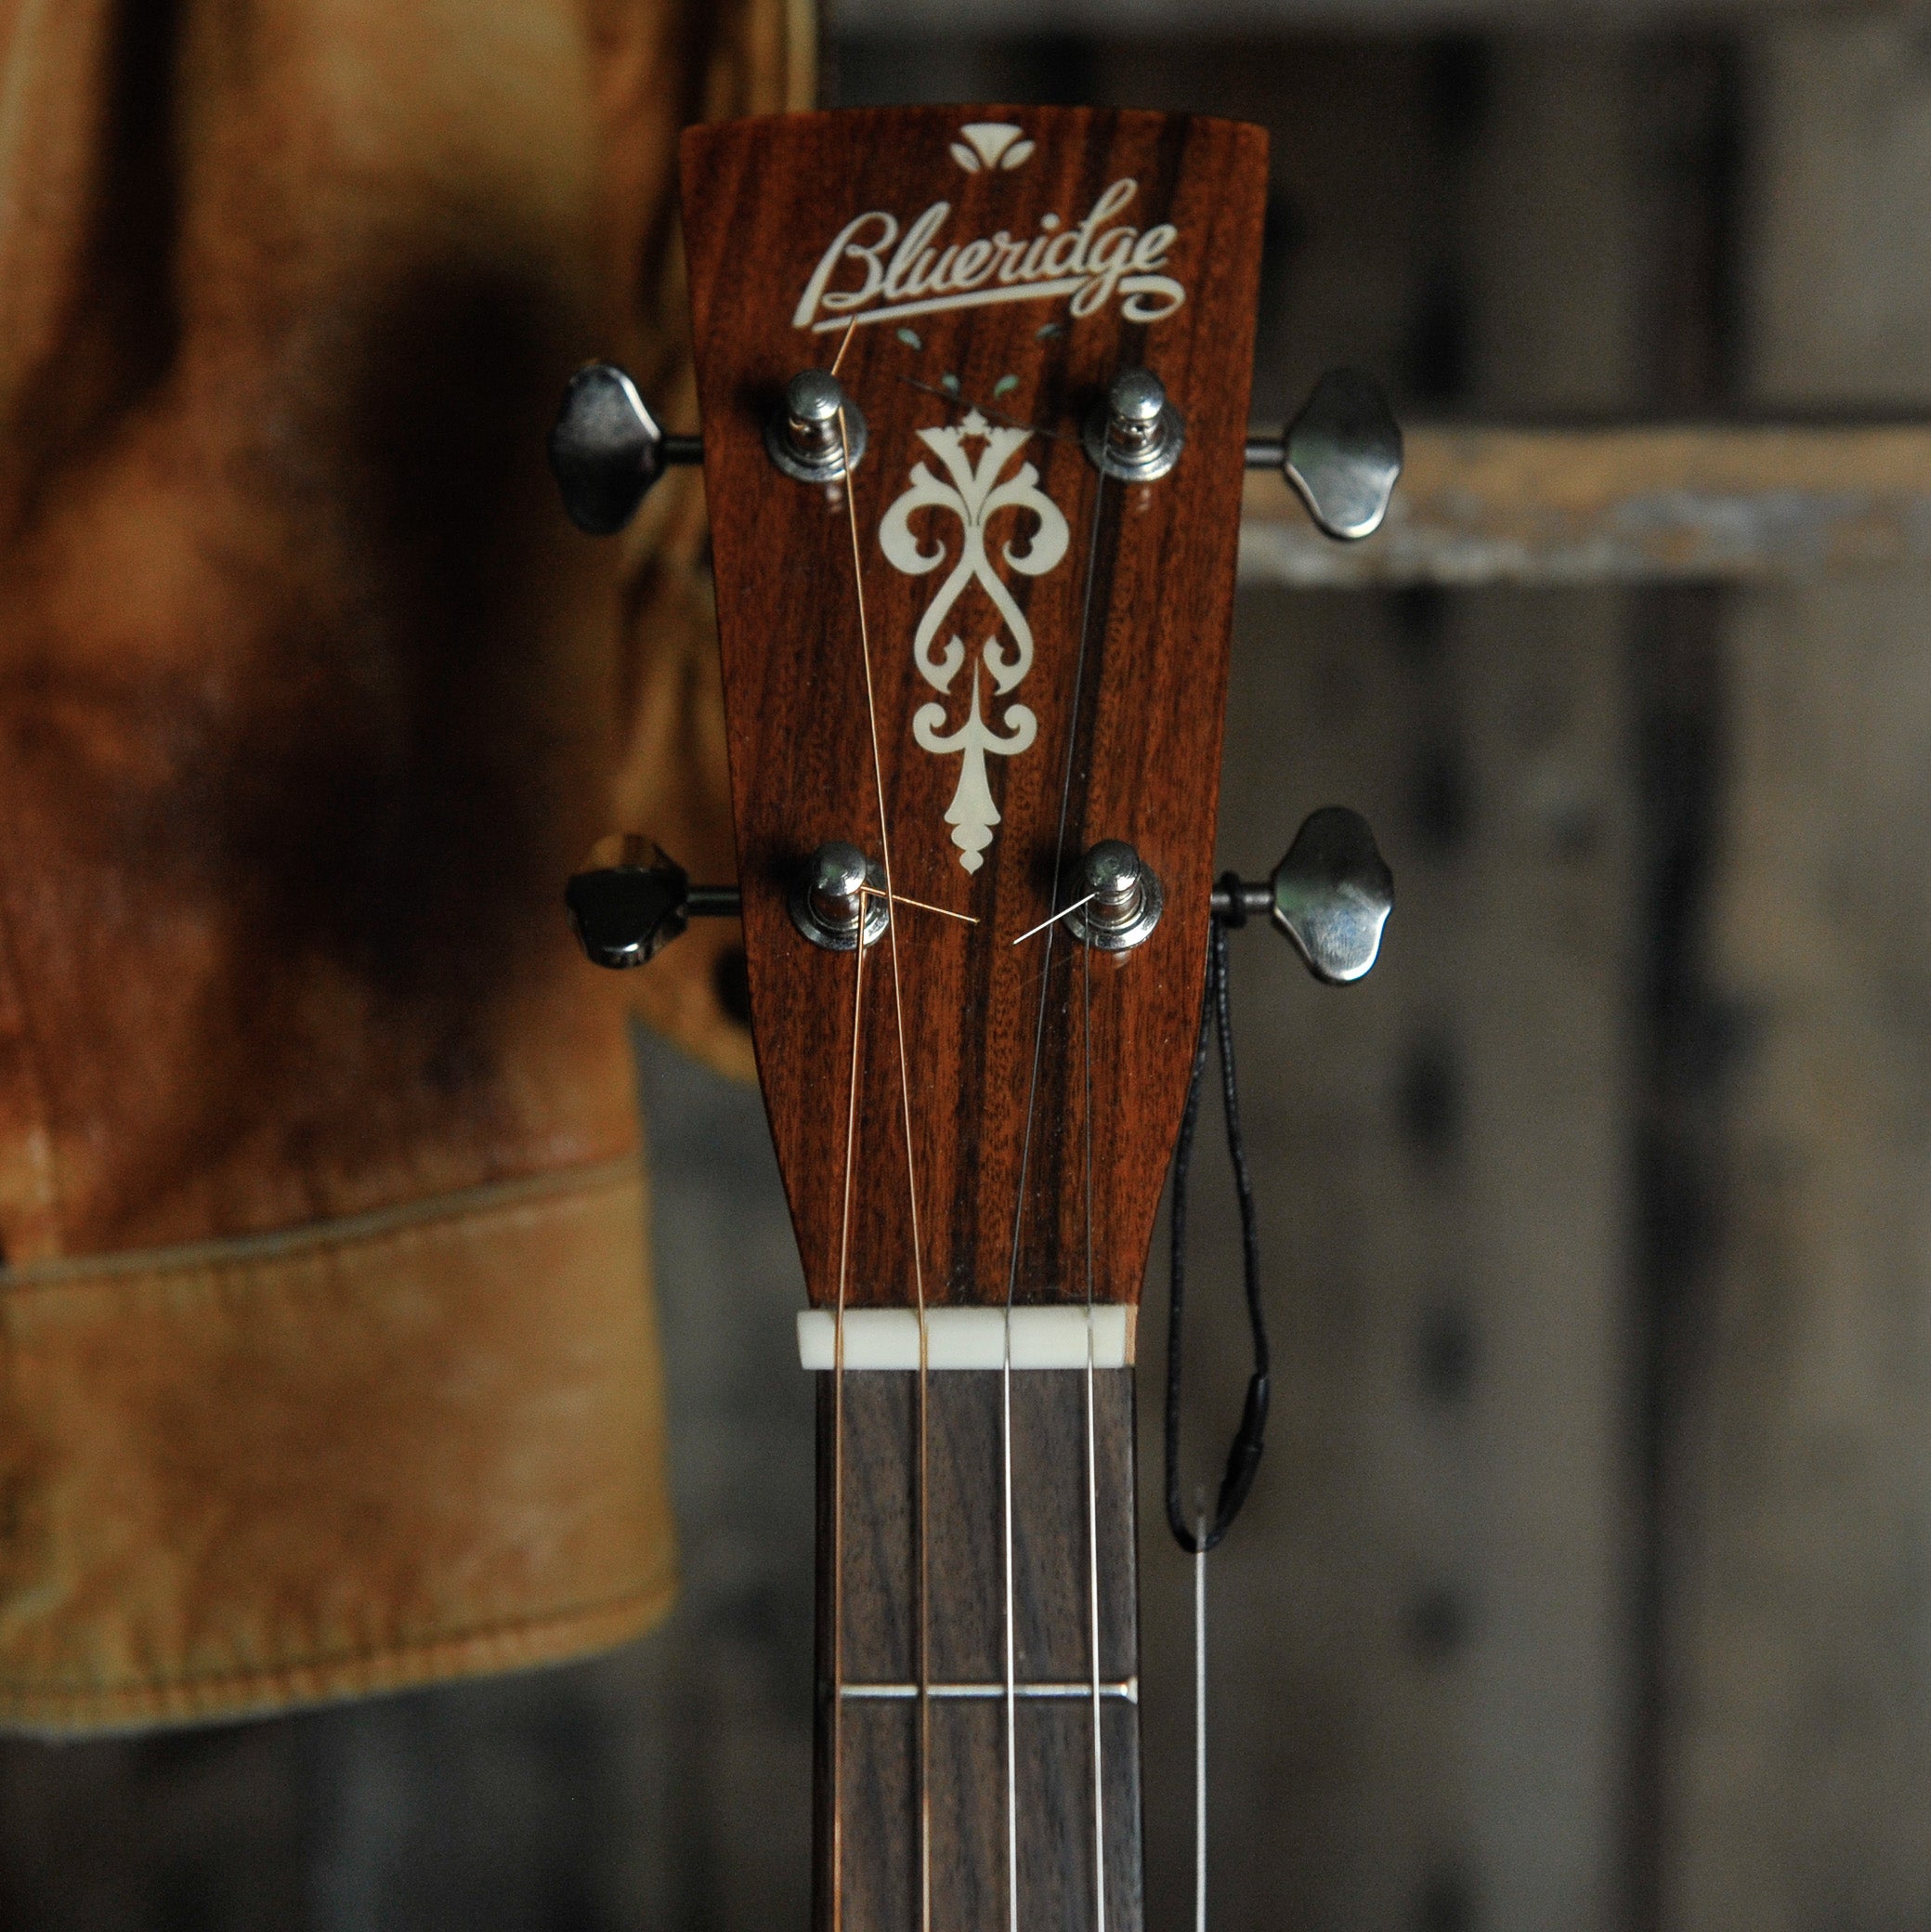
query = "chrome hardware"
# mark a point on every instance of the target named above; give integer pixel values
(836, 883)
(1123, 898)
(1342, 454)
(607, 449)
(1136, 433)
(633, 900)
(1331, 896)
(802, 436)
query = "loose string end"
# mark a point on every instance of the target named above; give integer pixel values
(1061, 913)
(1200, 1548)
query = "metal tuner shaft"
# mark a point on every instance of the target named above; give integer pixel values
(1134, 432)
(1121, 898)
(816, 428)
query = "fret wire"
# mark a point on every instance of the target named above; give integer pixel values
(1126, 1689)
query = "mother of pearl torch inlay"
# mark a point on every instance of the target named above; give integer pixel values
(975, 495)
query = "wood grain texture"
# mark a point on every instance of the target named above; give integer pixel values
(1798, 1756)
(966, 1604)
(1729, 502)
(1128, 727)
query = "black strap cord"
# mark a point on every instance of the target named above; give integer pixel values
(1244, 1452)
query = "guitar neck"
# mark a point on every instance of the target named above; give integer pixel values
(974, 391)
(975, 388)
(1028, 1659)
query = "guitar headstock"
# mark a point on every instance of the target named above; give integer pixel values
(1011, 300)
(974, 397)
(999, 652)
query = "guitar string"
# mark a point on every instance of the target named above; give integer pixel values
(1025, 1149)
(1200, 1547)
(1092, 1478)
(838, 1448)
(965, 918)
(924, 1674)
(1065, 912)
(904, 1093)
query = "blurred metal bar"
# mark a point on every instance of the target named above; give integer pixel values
(1713, 503)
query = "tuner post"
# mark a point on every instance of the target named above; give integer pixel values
(837, 888)
(1136, 433)
(1122, 900)
(803, 436)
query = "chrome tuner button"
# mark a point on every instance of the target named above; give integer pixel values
(836, 887)
(1332, 895)
(1342, 454)
(804, 435)
(607, 449)
(1123, 898)
(1135, 434)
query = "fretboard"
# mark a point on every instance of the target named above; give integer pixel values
(1009, 1757)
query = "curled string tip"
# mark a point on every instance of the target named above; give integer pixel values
(1061, 914)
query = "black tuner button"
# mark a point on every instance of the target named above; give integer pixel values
(1342, 454)
(626, 911)
(1331, 896)
(607, 449)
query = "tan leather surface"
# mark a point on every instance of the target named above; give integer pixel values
(309, 702)
(332, 1461)
(309, 697)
